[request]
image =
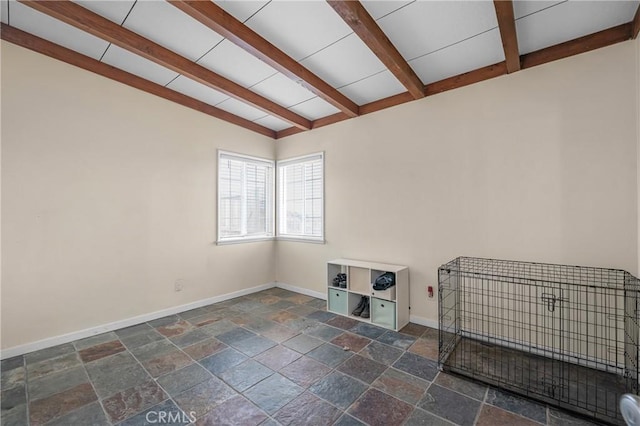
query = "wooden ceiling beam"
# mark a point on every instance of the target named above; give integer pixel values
(580, 45)
(507, 25)
(357, 17)
(92, 23)
(635, 24)
(214, 17)
(52, 50)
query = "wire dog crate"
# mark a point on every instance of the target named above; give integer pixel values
(565, 335)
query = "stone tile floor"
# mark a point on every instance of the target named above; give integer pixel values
(273, 357)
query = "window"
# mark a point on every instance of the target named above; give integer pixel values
(245, 197)
(301, 198)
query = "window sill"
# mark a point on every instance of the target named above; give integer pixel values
(243, 240)
(301, 239)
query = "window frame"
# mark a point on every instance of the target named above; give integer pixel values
(271, 198)
(280, 200)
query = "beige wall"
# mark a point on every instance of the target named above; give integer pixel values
(539, 165)
(108, 197)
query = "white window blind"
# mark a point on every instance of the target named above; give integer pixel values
(245, 197)
(301, 197)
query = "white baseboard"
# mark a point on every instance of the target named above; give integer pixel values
(302, 290)
(423, 321)
(88, 332)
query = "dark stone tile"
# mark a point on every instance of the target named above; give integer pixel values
(43, 387)
(278, 357)
(254, 345)
(153, 350)
(362, 368)
(414, 330)
(398, 340)
(516, 404)
(493, 416)
(205, 348)
(95, 340)
(317, 303)
(338, 389)
(368, 330)
(302, 310)
(279, 333)
(273, 393)
(219, 327)
(282, 316)
(330, 355)
(450, 405)
(307, 409)
(49, 353)
(235, 336)
(48, 366)
(175, 329)
(384, 354)
(11, 363)
(15, 417)
(45, 410)
(344, 323)
(419, 417)
(235, 411)
(209, 318)
(300, 324)
(167, 363)
(13, 377)
(164, 321)
(282, 304)
(562, 418)
(303, 343)
(141, 338)
(321, 316)
(458, 384)
(260, 325)
(347, 420)
(100, 351)
(305, 371)
(300, 299)
(116, 373)
(244, 375)
(427, 348)
(220, 362)
(401, 385)
(126, 403)
(12, 398)
(248, 321)
(269, 422)
(323, 332)
(180, 380)
(267, 299)
(413, 364)
(190, 338)
(133, 330)
(165, 413)
(91, 414)
(193, 313)
(351, 341)
(379, 409)
(247, 305)
(203, 397)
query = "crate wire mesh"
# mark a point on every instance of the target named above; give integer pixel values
(565, 335)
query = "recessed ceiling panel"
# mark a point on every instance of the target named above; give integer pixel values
(379, 8)
(527, 7)
(282, 90)
(4, 11)
(373, 88)
(241, 10)
(41, 25)
(314, 108)
(426, 26)
(234, 63)
(344, 62)
(196, 90)
(477, 52)
(170, 27)
(138, 65)
(570, 20)
(114, 10)
(299, 28)
(241, 109)
(273, 123)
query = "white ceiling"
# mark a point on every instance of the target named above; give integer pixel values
(439, 39)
